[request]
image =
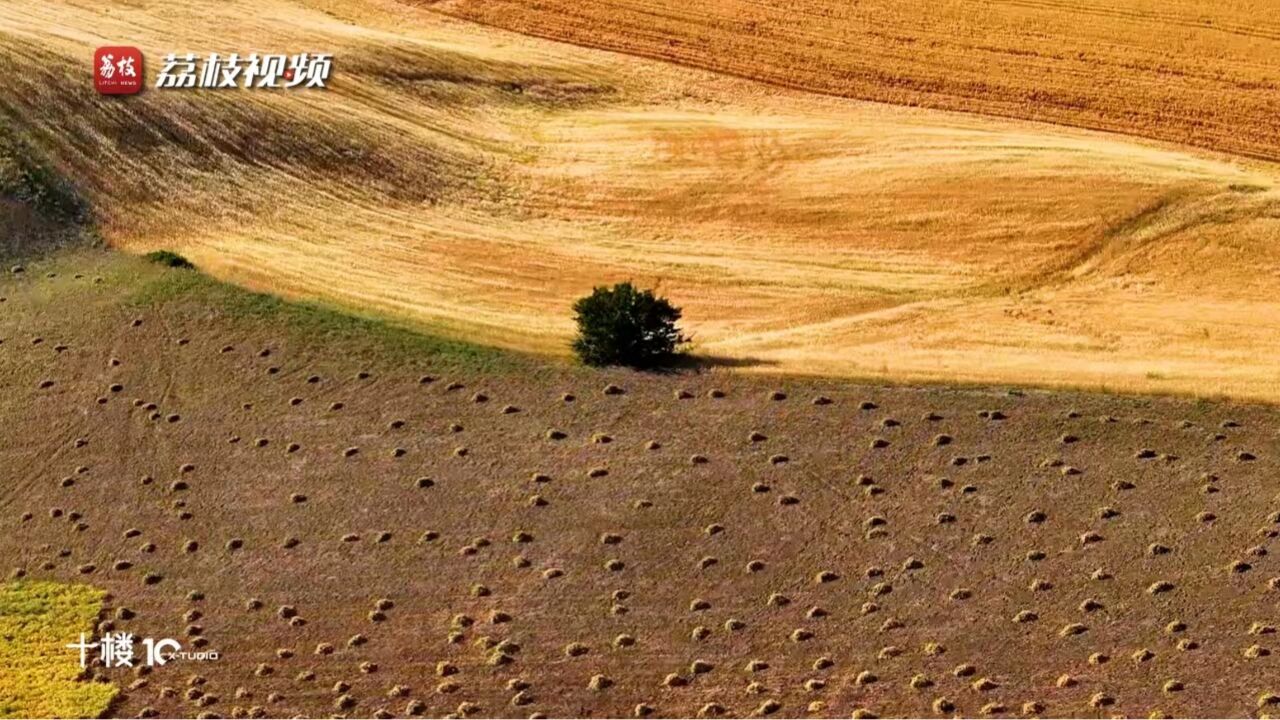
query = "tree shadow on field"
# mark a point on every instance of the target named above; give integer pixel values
(689, 362)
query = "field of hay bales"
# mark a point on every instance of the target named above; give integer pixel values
(475, 182)
(316, 417)
(367, 533)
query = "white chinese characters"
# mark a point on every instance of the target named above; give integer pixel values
(110, 66)
(117, 650)
(306, 70)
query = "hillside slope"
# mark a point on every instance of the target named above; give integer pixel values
(402, 536)
(1187, 71)
(477, 182)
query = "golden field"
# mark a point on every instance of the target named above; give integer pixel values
(475, 182)
(1187, 71)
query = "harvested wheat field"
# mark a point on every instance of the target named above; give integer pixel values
(389, 495)
(475, 182)
(1188, 71)
(366, 531)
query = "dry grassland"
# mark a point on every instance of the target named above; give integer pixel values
(476, 182)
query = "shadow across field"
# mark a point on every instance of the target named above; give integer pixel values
(40, 210)
(337, 505)
(321, 323)
(692, 361)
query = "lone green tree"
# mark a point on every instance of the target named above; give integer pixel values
(622, 325)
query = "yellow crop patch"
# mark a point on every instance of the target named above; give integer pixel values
(39, 676)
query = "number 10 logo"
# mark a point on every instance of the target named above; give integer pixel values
(158, 651)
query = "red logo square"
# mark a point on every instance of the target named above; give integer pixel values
(117, 70)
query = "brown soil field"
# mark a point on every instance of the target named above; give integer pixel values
(1187, 71)
(390, 497)
(368, 533)
(475, 182)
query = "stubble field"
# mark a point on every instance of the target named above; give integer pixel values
(371, 536)
(1185, 71)
(475, 182)
(398, 501)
